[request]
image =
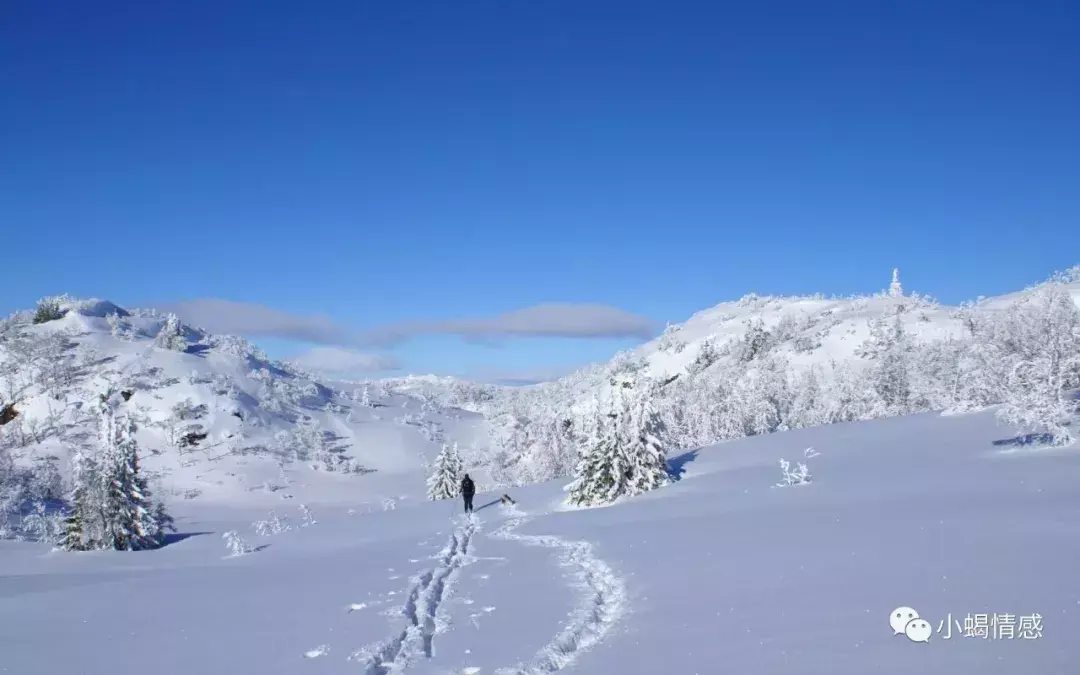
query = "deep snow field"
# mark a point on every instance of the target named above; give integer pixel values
(721, 572)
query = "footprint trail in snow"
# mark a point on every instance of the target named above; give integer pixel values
(422, 610)
(602, 602)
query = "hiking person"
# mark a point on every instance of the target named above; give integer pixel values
(468, 489)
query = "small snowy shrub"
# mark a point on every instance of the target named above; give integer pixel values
(800, 475)
(235, 543)
(365, 398)
(271, 526)
(48, 309)
(171, 335)
(305, 516)
(43, 525)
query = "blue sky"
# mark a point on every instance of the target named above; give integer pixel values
(422, 169)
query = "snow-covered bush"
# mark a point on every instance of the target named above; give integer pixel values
(706, 356)
(44, 483)
(120, 327)
(235, 544)
(890, 348)
(171, 335)
(271, 526)
(48, 309)
(44, 524)
(670, 340)
(800, 475)
(306, 517)
(756, 341)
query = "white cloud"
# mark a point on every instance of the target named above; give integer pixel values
(552, 320)
(555, 320)
(245, 318)
(344, 362)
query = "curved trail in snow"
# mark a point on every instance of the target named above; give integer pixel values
(602, 602)
(422, 610)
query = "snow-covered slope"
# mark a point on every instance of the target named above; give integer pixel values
(803, 331)
(720, 572)
(272, 432)
(765, 364)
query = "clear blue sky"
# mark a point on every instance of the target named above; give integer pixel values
(442, 162)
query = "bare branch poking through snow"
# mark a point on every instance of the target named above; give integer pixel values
(800, 475)
(305, 516)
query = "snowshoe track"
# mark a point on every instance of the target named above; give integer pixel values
(421, 610)
(602, 602)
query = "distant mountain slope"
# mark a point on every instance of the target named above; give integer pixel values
(218, 420)
(764, 364)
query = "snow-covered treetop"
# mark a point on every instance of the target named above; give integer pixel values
(895, 289)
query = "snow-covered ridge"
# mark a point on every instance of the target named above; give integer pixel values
(764, 364)
(218, 420)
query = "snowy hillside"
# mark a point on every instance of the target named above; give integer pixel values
(721, 571)
(218, 421)
(765, 364)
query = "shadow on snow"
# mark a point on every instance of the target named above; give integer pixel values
(677, 465)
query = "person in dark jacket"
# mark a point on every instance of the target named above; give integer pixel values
(468, 489)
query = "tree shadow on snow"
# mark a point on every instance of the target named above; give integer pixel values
(677, 465)
(178, 537)
(1026, 439)
(197, 350)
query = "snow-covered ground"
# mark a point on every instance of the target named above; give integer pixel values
(719, 572)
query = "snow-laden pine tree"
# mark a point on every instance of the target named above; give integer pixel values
(895, 289)
(111, 505)
(890, 348)
(82, 526)
(627, 457)
(171, 335)
(365, 398)
(645, 456)
(755, 342)
(445, 479)
(602, 473)
(132, 519)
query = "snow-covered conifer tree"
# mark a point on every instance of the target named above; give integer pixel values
(706, 356)
(602, 473)
(131, 517)
(755, 342)
(171, 335)
(82, 529)
(445, 480)
(889, 346)
(111, 505)
(627, 457)
(645, 456)
(365, 398)
(895, 289)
